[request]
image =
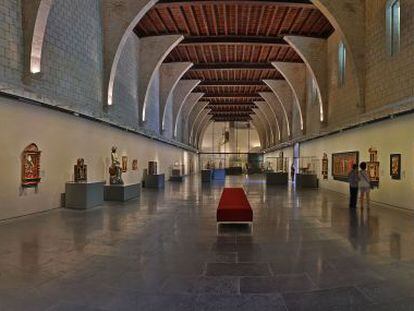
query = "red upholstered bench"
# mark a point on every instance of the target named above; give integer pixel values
(234, 207)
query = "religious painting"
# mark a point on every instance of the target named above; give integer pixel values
(134, 165)
(342, 164)
(124, 164)
(80, 171)
(325, 166)
(31, 166)
(373, 167)
(279, 163)
(395, 166)
(152, 168)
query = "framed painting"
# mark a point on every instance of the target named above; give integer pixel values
(134, 165)
(342, 164)
(373, 173)
(31, 166)
(325, 166)
(395, 166)
(124, 164)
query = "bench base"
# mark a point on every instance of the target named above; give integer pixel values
(250, 223)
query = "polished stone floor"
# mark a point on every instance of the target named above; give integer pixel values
(307, 251)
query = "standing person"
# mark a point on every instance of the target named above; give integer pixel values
(292, 172)
(353, 180)
(364, 184)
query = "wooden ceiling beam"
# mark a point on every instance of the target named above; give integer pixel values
(231, 83)
(285, 3)
(232, 118)
(238, 95)
(228, 106)
(233, 40)
(233, 66)
(230, 113)
(231, 110)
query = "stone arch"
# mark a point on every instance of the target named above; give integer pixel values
(268, 113)
(153, 51)
(191, 101)
(313, 52)
(35, 14)
(195, 124)
(295, 76)
(170, 74)
(119, 19)
(267, 124)
(182, 91)
(273, 100)
(348, 19)
(260, 131)
(205, 122)
(192, 115)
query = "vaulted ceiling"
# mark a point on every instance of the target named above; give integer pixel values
(232, 45)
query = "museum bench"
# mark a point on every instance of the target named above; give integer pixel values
(234, 207)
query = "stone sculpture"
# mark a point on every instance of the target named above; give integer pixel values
(115, 170)
(80, 171)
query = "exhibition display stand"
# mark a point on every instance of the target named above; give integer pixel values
(84, 195)
(155, 181)
(122, 193)
(306, 181)
(273, 178)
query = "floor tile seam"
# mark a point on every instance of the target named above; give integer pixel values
(363, 293)
(311, 280)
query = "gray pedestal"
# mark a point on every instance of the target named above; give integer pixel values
(84, 195)
(306, 181)
(206, 175)
(122, 193)
(219, 174)
(276, 178)
(155, 181)
(177, 178)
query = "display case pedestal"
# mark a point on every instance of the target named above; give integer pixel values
(219, 174)
(155, 181)
(306, 181)
(206, 175)
(273, 178)
(176, 175)
(122, 193)
(177, 178)
(84, 195)
(234, 170)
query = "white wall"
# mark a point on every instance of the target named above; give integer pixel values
(391, 136)
(63, 138)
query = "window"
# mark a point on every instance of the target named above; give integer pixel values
(393, 26)
(341, 64)
(314, 92)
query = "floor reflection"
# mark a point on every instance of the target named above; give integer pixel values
(307, 251)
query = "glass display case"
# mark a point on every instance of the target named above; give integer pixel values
(277, 164)
(309, 165)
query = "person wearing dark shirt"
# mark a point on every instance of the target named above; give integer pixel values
(353, 180)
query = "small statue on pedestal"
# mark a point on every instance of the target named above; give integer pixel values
(115, 170)
(80, 171)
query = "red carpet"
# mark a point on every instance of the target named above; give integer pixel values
(234, 206)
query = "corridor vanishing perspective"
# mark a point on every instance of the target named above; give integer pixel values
(163, 252)
(206, 155)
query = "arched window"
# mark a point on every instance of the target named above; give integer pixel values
(393, 16)
(314, 92)
(341, 64)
